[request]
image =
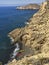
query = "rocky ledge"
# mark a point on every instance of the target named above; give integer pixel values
(29, 6)
(34, 38)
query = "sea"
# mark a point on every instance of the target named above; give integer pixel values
(10, 19)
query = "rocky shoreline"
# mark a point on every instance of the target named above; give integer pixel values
(29, 6)
(34, 38)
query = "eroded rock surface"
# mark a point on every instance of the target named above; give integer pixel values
(35, 39)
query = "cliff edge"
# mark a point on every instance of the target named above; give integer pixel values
(34, 38)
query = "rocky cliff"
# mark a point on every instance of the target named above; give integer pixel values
(29, 6)
(34, 38)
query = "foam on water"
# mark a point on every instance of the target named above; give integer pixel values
(16, 51)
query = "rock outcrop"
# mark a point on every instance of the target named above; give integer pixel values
(29, 6)
(34, 38)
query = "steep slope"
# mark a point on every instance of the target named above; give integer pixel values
(34, 38)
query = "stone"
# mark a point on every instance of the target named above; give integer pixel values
(34, 38)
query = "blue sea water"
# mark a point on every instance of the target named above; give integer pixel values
(10, 18)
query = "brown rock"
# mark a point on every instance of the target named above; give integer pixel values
(35, 39)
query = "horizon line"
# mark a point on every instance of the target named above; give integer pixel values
(17, 4)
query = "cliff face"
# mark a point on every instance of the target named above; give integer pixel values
(34, 38)
(29, 6)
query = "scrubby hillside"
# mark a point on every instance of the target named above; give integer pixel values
(34, 38)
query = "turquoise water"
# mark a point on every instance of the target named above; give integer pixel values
(10, 18)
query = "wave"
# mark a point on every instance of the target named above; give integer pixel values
(16, 51)
(26, 22)
(11, 38)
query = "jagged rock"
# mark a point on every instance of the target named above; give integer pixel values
(34, 38)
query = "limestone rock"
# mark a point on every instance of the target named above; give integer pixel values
(34, 38)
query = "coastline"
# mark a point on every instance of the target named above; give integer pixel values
(29, 7)
(34, 38)
(11, 38)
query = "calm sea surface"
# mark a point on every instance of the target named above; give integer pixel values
(10, 18)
